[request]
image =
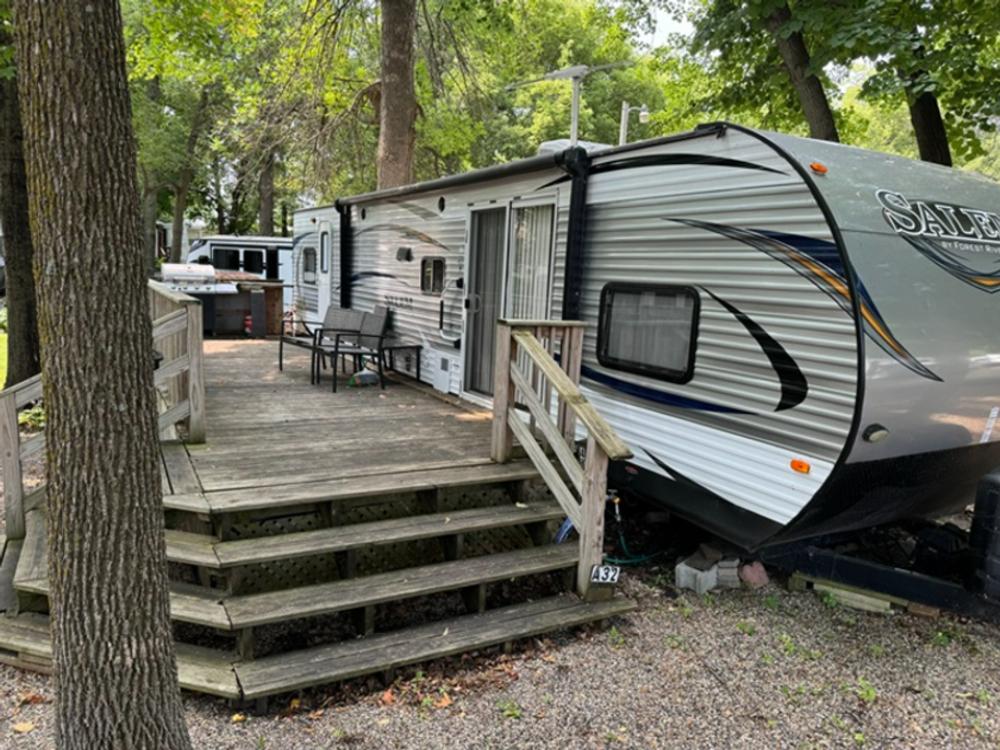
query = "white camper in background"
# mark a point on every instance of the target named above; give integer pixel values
(795, 337)
(267, 257)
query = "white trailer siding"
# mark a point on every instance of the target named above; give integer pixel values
(633, 235)
(382, 228)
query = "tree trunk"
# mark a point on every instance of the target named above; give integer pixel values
(150, 212)
(812, 97)
(112, 647)
(928, 127)
(220, 206)
(22, 323)
(265, 222)
(180, 208)
(186, 177)
(398, 106)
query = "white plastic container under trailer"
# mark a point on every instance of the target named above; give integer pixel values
(795, 337)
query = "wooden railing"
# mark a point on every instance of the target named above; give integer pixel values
(14, 452)
(529, 382)
(177, 334)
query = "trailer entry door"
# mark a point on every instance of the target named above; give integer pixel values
(483, 299)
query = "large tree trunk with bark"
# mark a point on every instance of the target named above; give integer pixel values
(22, 323)
(928, 127)
(808, 87)
(398, 106)
(112, 647)
(265, 219)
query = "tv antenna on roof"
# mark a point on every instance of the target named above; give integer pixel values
(576, 74)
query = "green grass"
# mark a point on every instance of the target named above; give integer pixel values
(3, 359)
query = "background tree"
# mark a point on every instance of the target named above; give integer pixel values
(398, 101)
(22, 324)
(112, 644)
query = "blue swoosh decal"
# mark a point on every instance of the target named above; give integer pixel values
(651, 394)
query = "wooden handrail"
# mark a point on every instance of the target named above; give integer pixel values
(569, 392)
(171, 295)
(580, 491)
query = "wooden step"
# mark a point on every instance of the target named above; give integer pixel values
(287, 495)
(25, 642)
(203, 606)
(206, 551)
(283, 673)
(193, 604)
(354, 593)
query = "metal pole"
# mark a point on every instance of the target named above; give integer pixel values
(623, 125)
(574, 123)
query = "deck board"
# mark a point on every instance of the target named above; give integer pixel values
(270, 429)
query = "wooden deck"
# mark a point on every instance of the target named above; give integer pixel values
(268, 428)
(306, 504)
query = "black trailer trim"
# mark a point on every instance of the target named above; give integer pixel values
(510, 169)
(346, 254)
(576, 163)
(816, 562)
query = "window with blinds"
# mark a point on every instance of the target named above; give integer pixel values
(309, 265)
(649, 329)
(432, 275)
(529, 276)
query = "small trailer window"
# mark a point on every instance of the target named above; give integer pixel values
(432, 275)
(324, 252)
(253, 261)
(648, 329)
(309, 265)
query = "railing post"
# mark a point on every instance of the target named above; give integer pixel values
(503, 395)
(13, 486)
(593, 497)
(196, 374)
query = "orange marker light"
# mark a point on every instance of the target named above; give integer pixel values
(802, 467)
(818, 168)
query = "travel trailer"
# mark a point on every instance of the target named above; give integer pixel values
(795, 337)
(268, 257)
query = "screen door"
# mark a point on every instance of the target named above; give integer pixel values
(483, 296)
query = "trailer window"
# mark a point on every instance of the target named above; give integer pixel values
(253, 261)
(272, 264)
(648, 329)
(309, 265)
(432, 275)
(324, 252)
(226, 259)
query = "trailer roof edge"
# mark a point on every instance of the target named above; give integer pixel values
(512, 168)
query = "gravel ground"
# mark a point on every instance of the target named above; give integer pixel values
(733, 669)
(754, 669)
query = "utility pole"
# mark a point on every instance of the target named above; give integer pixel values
(623, 123)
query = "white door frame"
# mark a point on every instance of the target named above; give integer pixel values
(324, 281)
(473, 396)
